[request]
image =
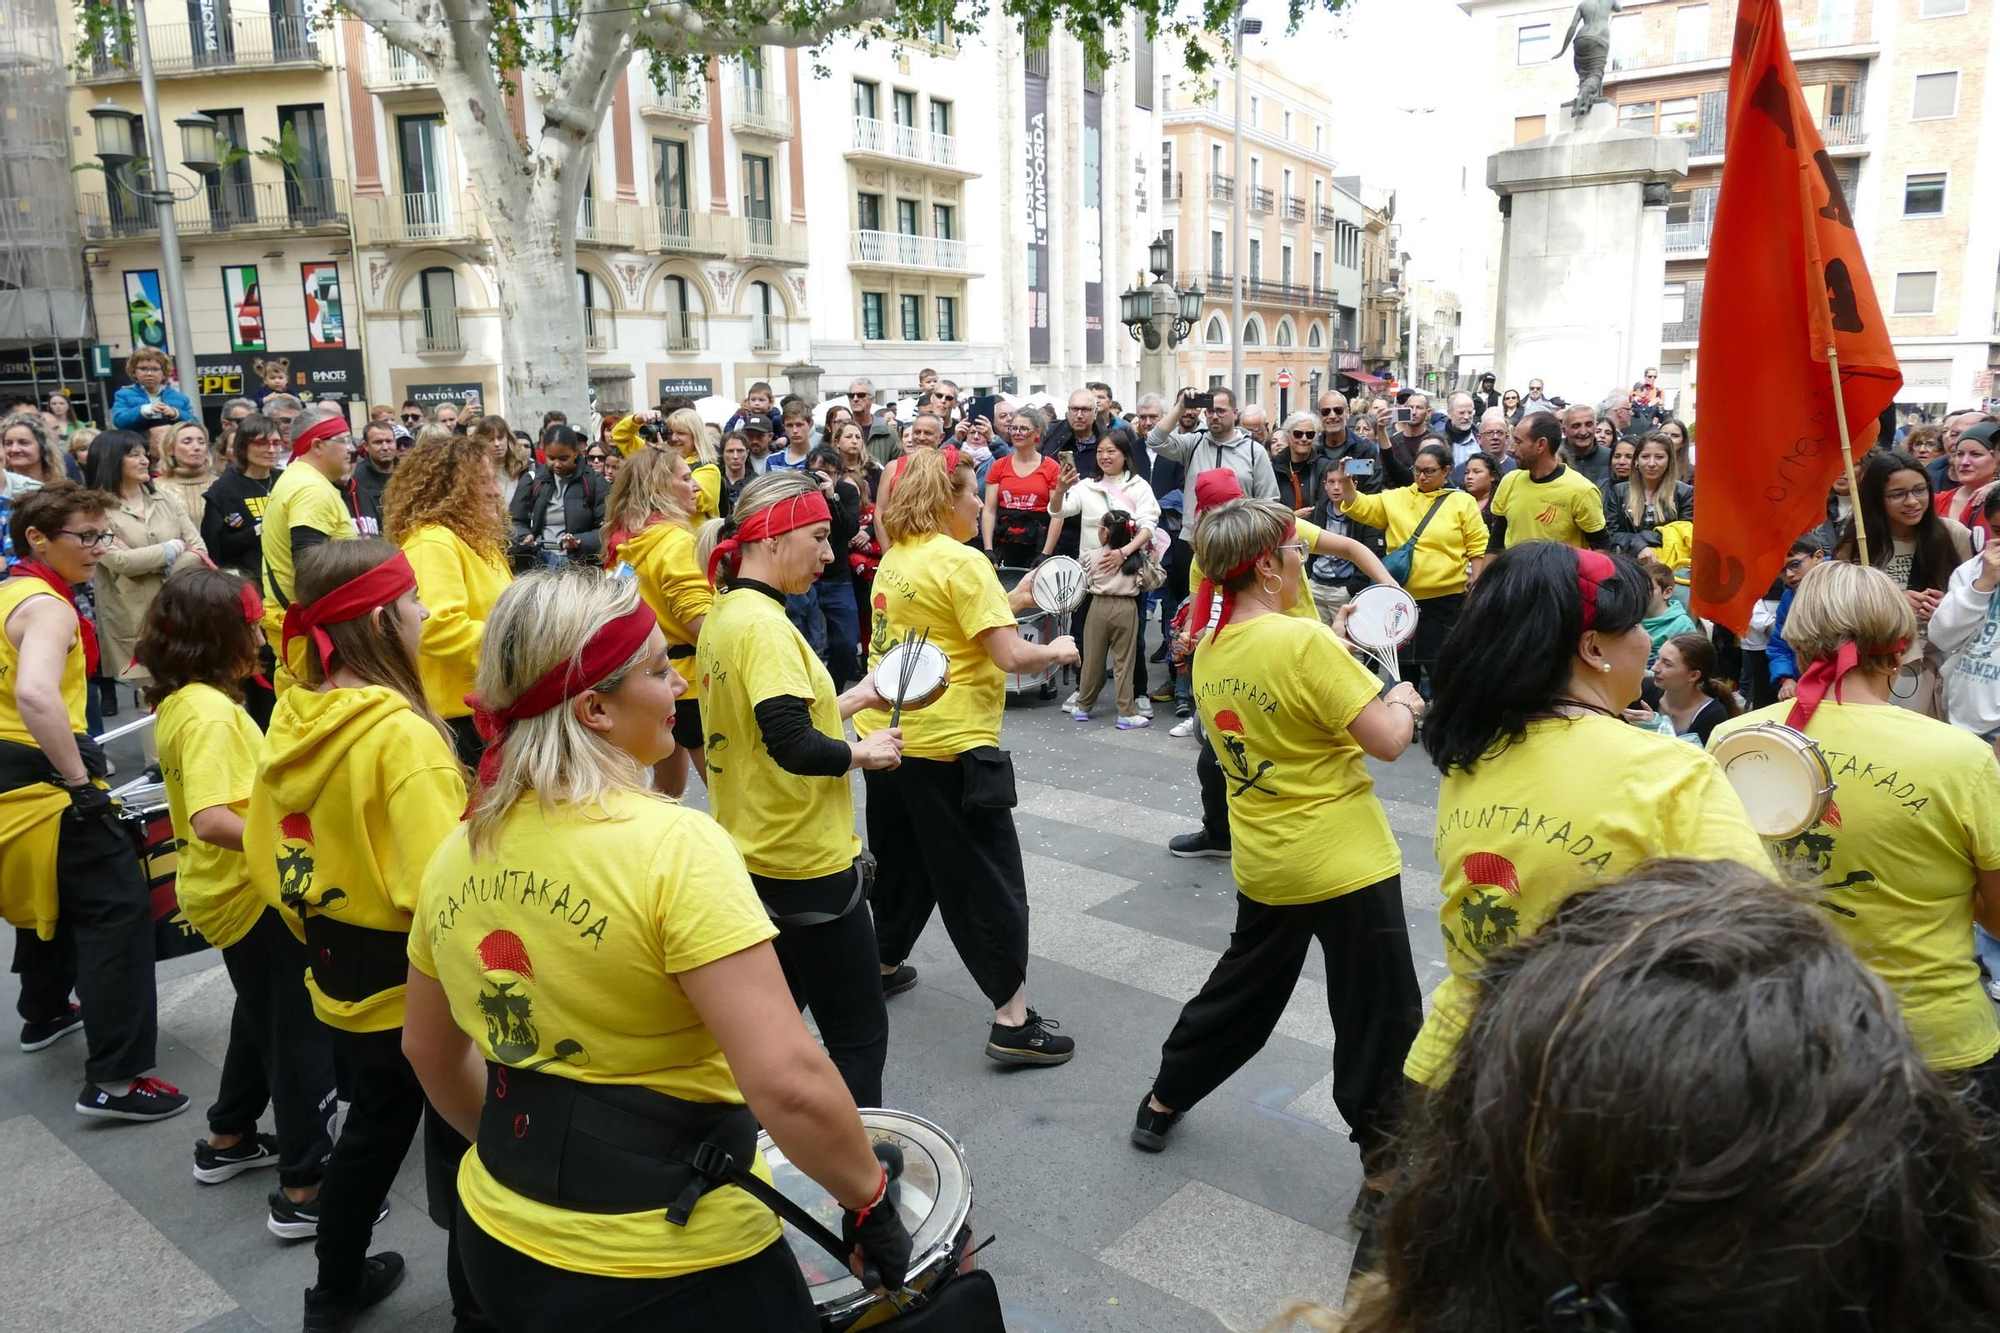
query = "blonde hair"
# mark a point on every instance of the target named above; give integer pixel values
(1838, 603)
(514, 459)
(435, 432)
(689, 421)
(920, 502)
(642, 495)
(1665, 507)
(45, 440)
(761, 493)
(542, 621)
(1235, 533)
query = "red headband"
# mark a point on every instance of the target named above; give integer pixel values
(1204, 597)
(1592, 569)
(319, 430)
(252, 603)
(614, 642)
(350, 601)
(787, 515)
(1826, 675)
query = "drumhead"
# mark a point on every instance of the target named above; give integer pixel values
(1384, 617)
(1058, 584)
(926, 675)
(933, 1197)
(1780, 776)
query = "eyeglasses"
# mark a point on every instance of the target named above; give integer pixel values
(413, 416)
(89, 541)
(1429, 471)
(1333, 411)
(852, 395)
(944, 398)
(1302, 435)
(1913, 493)
(1296, 548)
(1534, 388)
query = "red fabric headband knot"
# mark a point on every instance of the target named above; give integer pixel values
(787, 515)
(252, 603)
(350, 601)
(1827, 674)
(313, 434)
(604, 652)
(1204, 597)
(1592, 569)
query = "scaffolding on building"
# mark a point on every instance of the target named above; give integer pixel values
(45, 317)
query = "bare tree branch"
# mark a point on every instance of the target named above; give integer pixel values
(675, 26)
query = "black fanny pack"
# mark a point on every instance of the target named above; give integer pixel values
(25, 765)
(1020, 527)
(352, 963)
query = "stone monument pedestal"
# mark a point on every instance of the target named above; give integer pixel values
(1582, 255)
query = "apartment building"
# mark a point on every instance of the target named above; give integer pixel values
(266, 259)
(1901, 93)
(1305, 233)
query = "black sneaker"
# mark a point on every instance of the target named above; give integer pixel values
(213, 1165)
(299, 1221)
(895, 983)
(1035, 1042)
(1183, 709)
(1150, 1132)
(382, 1274)
(1198, 843)
(148, 1099)
(39, 1036)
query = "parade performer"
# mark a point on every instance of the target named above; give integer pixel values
(778, 766)
(592, 988)
(69, 880)
(305, 509)
(1908, 850)
(1313, 856)
(198, 642)
(1546, 789)
(439, 509)
(939, 822)
(356, 787)
(649, 514)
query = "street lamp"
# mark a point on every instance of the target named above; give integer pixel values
(1159, 316)
(1239, 221)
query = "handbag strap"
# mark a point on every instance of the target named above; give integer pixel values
(1428, 515)
(771, 1197)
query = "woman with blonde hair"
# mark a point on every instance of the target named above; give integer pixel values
(187, 470)
(660, 1016)
(684, 432)
(29, 451)
(438, 507)
(511, 459)
(940, 823)
(1651, 497)
(1907, 854)
(648, 521)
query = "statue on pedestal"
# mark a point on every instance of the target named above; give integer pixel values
(1590, 30)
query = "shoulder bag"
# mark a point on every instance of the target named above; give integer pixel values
(1398, 561)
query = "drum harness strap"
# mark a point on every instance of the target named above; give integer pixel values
(25, 766)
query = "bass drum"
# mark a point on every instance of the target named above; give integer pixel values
(934, 1197)
(142, 813)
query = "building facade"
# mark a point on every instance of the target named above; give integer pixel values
(1902, 96)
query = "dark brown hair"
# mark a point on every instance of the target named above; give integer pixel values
(194, 633)
(51, 508)
(370, 646)
(1686, 1094)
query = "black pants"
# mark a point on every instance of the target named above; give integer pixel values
(279, 1054)
(465, 740)
(765, 1293)
(1982, 1085)
(832, 968)
(931, 852)
(1371, 995)
(1214, 792)
(102, 949)
(1756, 680)
(1436, 616)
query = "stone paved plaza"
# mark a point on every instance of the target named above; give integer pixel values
(1246, 1210)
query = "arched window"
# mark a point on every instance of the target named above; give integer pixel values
(438, 289)
(1213, 335)
(1313, 338)
(685, 332)
(1284, 333)
(1252, 335)
(766, 313)
(596, 314)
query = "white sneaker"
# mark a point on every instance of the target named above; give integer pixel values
(1070, 703)
(1134, 722)
(1145, 706)
(1182, 729)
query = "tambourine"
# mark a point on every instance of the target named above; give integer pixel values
(1780, 775)
(1058, 584)
(912, 675)
(1381, 619)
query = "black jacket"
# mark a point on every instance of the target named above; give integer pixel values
(232, 524)
(364, 496)
(846, 514)
(1630, 537)
(583, 510)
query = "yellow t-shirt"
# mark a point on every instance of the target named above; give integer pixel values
(1562, 507)
(1276, 694)
(208, 757)
(302, 497)
(560, 950)
(75, 684)
(1303, 608)
(674, 584)
(31, 816)
(1455, 534)
(459, 589)
(936, 583)
(786, 826)
(1572, 803)
(1895, 861)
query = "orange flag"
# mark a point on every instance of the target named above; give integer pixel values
(1785, 281)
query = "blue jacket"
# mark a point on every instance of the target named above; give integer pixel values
(1784, 663)
(127, 403)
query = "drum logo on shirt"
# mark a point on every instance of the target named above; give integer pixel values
(1808, 859)
(295, 868)
(1483, 913)
(505, 976)
(1229, 734)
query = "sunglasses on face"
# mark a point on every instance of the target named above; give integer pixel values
(413, 416)
(1333, 411)
(1302, 435)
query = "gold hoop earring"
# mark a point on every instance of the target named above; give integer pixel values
(1272, 592)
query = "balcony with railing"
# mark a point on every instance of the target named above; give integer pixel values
(607, 223)
(1215, 283)
(767, 332)
(1843, 130)
(181, 50)
(424, 218)
(438, 330)
(1276, 293)
(769, 240)
(1221, 187)
(1323, 216)
(1294, 208)
(1692, 233)
(596, 329)
(1261, 199)
(888, 249)
(761, 112)
(687, 331)
(1172, 185)
(1322, 298)
(1686, 329)
(677, 101)
(680, 231)
(1837, 26)
(224, 208)
(391, 69)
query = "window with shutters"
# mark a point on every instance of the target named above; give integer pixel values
(1916, 292)
(1923, 195)
(1934, 96)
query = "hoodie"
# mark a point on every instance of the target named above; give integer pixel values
(458, 588)
(354, 792)
(1966, 624)
(675, 586)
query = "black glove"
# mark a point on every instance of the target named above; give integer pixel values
(883, 1240)
(89, 801)
(993, 556)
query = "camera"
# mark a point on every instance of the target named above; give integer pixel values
(1203, 400)
(653, 432)
(1403, 417)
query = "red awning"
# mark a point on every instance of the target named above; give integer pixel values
(1362, 376)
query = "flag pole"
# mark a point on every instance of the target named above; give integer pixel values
(1847, 453)
(1822, 322)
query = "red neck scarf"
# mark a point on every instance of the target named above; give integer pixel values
(312, 435)
(1592, 568)
(603, 653)
(350, 601)
(85, 631)
(1826, 675)
(789, 515)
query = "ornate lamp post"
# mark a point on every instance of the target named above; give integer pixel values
(1160, 317)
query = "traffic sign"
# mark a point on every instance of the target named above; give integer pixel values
(100, 361)
(1284, 379)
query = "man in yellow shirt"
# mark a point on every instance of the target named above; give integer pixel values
(305, 510)
(1542, 499)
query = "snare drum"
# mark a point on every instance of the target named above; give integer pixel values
(1058, 584)
(928, 669)
(933, 1195)
(143, 814)
(1380, 620)
(1781, 776)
